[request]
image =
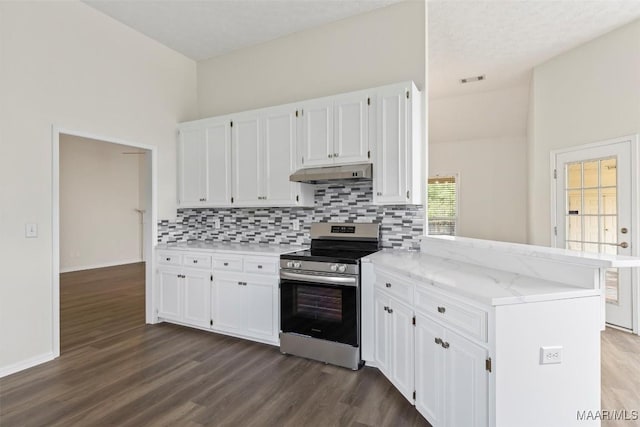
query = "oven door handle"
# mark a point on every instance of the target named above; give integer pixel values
(327, 280)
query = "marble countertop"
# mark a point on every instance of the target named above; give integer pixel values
(484, 285)
(239, 248)
(542, 252)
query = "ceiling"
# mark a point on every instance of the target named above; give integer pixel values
(502, 40)
(206, 28)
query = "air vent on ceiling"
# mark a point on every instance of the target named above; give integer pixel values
(472, 79)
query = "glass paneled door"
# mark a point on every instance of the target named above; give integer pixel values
(593, 214)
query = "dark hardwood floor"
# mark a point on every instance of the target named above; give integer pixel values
(116, 371)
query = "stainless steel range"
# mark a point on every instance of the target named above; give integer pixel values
(320, 293)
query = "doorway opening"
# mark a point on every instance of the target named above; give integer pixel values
(596, 211)
(104, 228)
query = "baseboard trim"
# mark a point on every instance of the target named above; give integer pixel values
(26, 364)
(101, 265)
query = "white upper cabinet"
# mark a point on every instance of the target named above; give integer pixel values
(398, 167)
(316, 144)
(351, 143)
(204, 164)
(335, 130)
(247, 162)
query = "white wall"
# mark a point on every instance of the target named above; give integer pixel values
(384, 46)
(99, 192)
(589, 94)
(482, 138)
(67, 64)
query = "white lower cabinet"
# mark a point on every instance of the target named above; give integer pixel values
(451, 380)
(425, 358)
(246, 305)
(184, 295)
(394, 351)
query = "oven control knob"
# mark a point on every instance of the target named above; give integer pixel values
(296, 265)
(334, 267)
(289, 264)
(342, 268)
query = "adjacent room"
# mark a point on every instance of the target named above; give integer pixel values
(319, 212)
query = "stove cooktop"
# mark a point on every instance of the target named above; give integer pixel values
(328, 255)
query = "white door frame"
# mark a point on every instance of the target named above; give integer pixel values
(150, 230)
(634, 141)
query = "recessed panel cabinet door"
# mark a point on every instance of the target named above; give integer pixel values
(279, 156)
(317, 133)
(402, 353)
(429, 369)
(219, 164)
(351, 129)
(170, 294)
(197, 285)
(247, 166)
(231, 304)
(390, 182)
(466, 385)
(381, 351)
(260, 303)
(192, 167)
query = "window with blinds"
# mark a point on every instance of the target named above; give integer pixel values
(442, 205)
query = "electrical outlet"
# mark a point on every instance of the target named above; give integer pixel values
(295, 224)
(216, 223)
(31, 230)
(551, 354)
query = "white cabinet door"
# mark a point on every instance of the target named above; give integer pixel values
(197, 286)
(170, 294)
(429, 370)
(381, 351)
(465, 383)
(247, 165)
(260, 305)
(231, 305)
(390, 181)
(279, 149)
(402, 352)
(192, 167)
(316, 144)
(218, 160)
(351, 144)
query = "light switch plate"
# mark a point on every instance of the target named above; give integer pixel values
(31, 230)
(216, 223)
(295, 225)
(550, 354)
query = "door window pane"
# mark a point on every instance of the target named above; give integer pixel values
(590, 174)
(574, 175)
(591, 229)
(574, 227)
(574, 202)
(608, 173)
(590, 202)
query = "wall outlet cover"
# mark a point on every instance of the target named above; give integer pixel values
(550, 355)
(31, 230)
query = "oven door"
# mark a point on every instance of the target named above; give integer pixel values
(320, 306)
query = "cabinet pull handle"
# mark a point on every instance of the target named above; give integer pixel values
(195, 261)
(329, 155)
(226, 264)
(240, 283)
(390, 310)
(388, 285)
(441, 310)
(168, 259)
(386, 308)
(438, 341)
(260, 266)
(335, 154)
(445, 344)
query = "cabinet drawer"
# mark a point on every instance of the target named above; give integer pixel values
(454, 314)
(261, 265)
(169, 258)
(394, 285)
(227, 263)
(197, 261)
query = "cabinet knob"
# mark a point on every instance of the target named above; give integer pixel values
(260, 266)
(329, 155)
(168, 259)
(386, 308)
(240, 283)
(195, 261)
(438, 341)
(441, 310)
(226, 264)
(388, 285)
(390, 310)
(335, 154)
(445, 344)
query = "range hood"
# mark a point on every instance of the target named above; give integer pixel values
(362, 171)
